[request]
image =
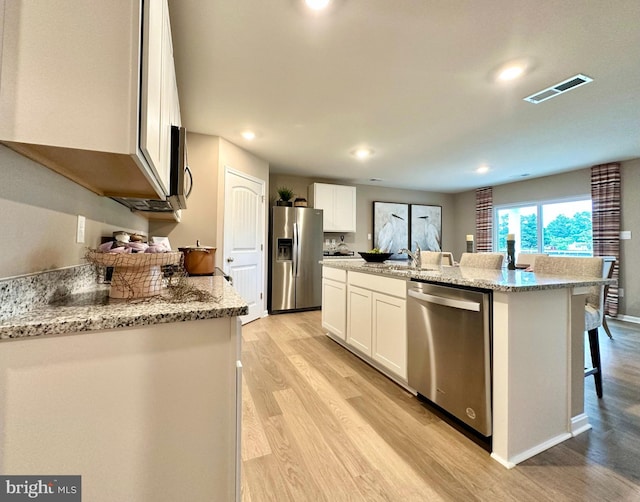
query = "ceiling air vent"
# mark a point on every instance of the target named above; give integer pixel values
(559, 88)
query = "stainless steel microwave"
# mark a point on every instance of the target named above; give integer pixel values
(180, 183)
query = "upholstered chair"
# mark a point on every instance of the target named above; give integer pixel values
(491, 261)
(594, 307)
(528, 259)
(433, 258)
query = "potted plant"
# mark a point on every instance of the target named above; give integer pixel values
(285, 194)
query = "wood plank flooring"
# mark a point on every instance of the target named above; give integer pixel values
(321, 425)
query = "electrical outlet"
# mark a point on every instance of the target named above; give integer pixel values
(625, 234)
(80, 229)
(620, 292)
(368, 237)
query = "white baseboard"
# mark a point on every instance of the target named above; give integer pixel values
(626, 318)
(497, 458)
(579, 424)
(521, 457)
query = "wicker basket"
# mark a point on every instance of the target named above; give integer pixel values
(135, 275)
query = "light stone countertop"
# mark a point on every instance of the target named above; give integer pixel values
(92, 309)
(496, 280)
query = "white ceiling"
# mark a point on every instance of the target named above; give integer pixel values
(412, 79)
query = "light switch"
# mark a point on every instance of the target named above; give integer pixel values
(625, 235)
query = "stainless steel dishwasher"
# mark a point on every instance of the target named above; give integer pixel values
(449, 345)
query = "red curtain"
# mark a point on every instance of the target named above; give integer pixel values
(605, 201)
(484, 219)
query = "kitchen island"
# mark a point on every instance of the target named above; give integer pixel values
(537, 350)
(141, 398)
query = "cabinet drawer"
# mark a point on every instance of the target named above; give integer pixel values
(386, 285)
(334, 273)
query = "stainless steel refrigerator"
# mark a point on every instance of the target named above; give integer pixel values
(295, 251)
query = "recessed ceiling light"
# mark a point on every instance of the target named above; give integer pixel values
(317, 4)
(511, 72)
(248, 135)
(482, 169)
(363, 153)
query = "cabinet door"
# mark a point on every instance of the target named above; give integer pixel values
(359, 319)
(168, 98)
(334, 307)
(323, 199)
(390, 333)
(155, 93)
(151, 86)
(344, 208)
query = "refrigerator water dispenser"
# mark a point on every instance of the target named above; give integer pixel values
(285, 250)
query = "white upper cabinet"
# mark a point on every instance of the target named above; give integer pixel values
(338, 203)
(87, 88)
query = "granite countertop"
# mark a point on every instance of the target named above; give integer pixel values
(92, 309)
(496, 280)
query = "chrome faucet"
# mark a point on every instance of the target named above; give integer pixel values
(416, 260)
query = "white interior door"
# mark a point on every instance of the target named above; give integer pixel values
(243, 248)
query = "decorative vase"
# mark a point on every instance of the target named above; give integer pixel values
(511, 254)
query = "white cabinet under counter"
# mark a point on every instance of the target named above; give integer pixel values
(88, 90)
(334, 301)
(338, 203)
(367, 313)
(377, 320)
(135, 392)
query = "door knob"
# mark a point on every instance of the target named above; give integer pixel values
(230, 259)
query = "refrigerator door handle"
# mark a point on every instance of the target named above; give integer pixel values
(295, 250)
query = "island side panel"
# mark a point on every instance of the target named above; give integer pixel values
(530, 373)
(579, 419)
(140, 413)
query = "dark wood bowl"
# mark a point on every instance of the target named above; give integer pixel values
(375, 257)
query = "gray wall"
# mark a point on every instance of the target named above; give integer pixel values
(567, 185)
(38, 217)
(365, 196)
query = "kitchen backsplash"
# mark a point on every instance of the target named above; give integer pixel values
(27, 292)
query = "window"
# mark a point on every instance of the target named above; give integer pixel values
(558, 228)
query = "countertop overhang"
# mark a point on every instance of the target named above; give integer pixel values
(92, 310)
(497, 280)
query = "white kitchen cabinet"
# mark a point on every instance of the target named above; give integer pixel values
(141, 405)
(334, 301)
(377, 324)
(359, 319)
(159, 97)
(390, 332)
(338, 203)
(85, 91)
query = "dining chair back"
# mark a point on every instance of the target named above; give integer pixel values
(433, 258)
(491, 261)
(528, 259)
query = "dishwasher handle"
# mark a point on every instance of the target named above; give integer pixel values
(447, 302)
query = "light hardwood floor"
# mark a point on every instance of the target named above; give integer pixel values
(321, 425)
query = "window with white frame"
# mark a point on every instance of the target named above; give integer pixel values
(558, 227)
